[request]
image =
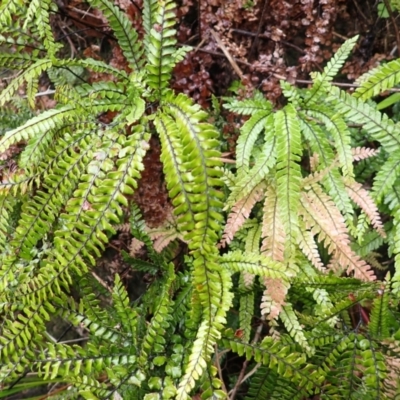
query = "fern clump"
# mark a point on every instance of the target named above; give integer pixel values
(291, 244)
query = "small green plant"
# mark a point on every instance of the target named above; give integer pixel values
(291, 246)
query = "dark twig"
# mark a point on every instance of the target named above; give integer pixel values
(255, 41)
(242, 375)
(396, 29)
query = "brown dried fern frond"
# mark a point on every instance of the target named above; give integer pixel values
(273, 298)
(135, 246)
(361, 153)
(322, 218)
(309, 248)
(240, 213)
(362, 198)
(273, 232)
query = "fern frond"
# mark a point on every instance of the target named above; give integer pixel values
(7, 10)
(154, 339)
(378, 80)
(362, 153)
(161, 46)
(124, 32)
(32, 72)
(256, 264)
(247, 180)
(310, 249)
(288, 172)
(378, 125)
(274, 297)
(190, 156)
(7, 204)
(273, 233)
(379, 317)
(249, 134)
(331, 69)
(39, 214)
(324, 219)
(246, 311)
(213, 286)
(361, 197)
(333, 180)
(386, 177)
(127, 315)
(249, 106)
(240, 213)
(340, 133)
(290, 320)
(38, 13)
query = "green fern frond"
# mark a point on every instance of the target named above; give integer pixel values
(247, 180)
(260, 265)
(249, 106)
(8, 9)
(161, 46)
(124, 32)
(333, 181)
(378, 80)
(249, 134)
(378, 125)
(288, 150)
(127, 315)
(38, 13)
(150, 9)
(190, 155)
(331, 70)
(386, 177)
(336, 126)
(246, 311)
(213, 286)
(92, 65)
(291, 322)
(154, 340)
(32, 72)
(379, 317)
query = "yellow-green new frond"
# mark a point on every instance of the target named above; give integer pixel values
(192, 182)
(288, 175)
(161, 46)
(36, 126)
(38, 14)
(378, 80)
(213, 286)
(8, 9)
